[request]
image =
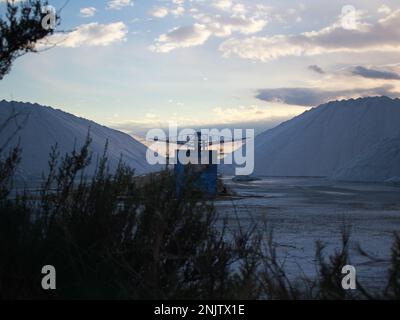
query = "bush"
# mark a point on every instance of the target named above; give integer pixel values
(115, 236)
(110, 237)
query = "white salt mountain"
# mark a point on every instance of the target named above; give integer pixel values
(43, 127)
(326, 138)
(379, 163)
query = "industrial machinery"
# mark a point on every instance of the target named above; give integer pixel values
(196, 160)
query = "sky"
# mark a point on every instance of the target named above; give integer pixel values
(136, 65)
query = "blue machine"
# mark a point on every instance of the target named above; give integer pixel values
(197, 164)
(202, 176)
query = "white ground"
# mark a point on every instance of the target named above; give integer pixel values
(42, 127)
(303, 210)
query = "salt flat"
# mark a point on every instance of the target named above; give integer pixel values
(303, 210)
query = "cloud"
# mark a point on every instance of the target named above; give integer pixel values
(208, 25)
(223, 26)
(239, 8)
(178, 11)
(259, 118)
(316, 69)
(182, 37)
(375, 74)
(314, 96)
(87, 12)
(384, 35)
(223, 4)
(287, 16)
(384, 9)
(92, 34)
(252, 114)
(118, 4)
(159, 12)
(162, 11)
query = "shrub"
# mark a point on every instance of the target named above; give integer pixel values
(117, 236)
(110, 236)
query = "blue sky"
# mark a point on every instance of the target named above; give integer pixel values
(135, 65)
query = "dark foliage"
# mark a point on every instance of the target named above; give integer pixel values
(108, 237)
(114, 236)
(20, 29)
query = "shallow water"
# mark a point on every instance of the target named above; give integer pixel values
(303, 210)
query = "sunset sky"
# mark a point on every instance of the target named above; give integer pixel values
(135, 65)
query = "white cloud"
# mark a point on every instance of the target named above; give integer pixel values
(118, 4)
(253, 113)
(230, 6)
(87, 12)
(220, 117)
(207, 25)
(159, 12)
(350, 18)
(287, 16)
(178, 11)
(92, 34)
(162, 11)
(384, 9)
(182, 37)
(223, 26)
(222, 4)
(239, 8)
(384, 35)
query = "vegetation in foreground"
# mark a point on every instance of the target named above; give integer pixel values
(110, 238)
(20, 30)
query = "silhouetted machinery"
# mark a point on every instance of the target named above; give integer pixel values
(195, 162)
